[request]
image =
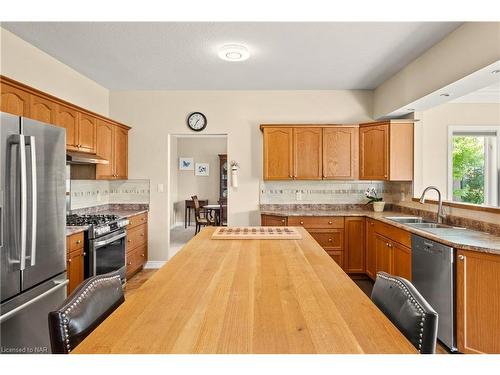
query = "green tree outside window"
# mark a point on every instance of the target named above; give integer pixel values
(468, 169)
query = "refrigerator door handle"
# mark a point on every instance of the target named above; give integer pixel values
(24, 200)
(34, 195)
(59, 285)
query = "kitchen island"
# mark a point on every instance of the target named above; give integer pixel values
(248, 296)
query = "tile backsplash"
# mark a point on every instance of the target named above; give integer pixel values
(89, 193)
(328, 191)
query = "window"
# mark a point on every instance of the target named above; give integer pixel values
(473, 160)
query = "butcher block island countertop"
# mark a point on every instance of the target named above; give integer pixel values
(248, 296)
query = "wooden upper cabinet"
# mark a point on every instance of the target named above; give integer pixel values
(478, 302)
(354, 244)
(278, 153)
(374, 152)
(68, 118)
(386, 151)
(14, 101)
(307, 153)
(42, 109)
(340, 153)
(105, 149)
(121, 153)
(87, 127)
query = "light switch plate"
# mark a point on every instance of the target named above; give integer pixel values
(160, 188)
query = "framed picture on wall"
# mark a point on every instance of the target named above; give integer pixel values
(202, 169)
(186, 164)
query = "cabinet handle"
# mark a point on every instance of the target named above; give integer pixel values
(129, 240)
(461, 257)
(69, 260)
(142, 234)
(290, 176)
(387, 244)
(301, 223)
(329, 240)
(142, 255)
(385, 176)
(84, 253)
(78, 242)
(330, 222)
(129, 263)
(283, 221)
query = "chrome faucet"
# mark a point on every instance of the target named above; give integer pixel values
(440, 214)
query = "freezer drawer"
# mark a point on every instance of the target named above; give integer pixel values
(24, 320)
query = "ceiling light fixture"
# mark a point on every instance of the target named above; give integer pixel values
(495, 71)
(410, 109)
(445, 94)
(233, 52)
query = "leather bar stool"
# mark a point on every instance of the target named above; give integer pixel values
(405, 307)
(89, 304)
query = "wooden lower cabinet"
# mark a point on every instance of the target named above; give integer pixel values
(337, 256)
(74, 261)
(402, 261)
(137, 243)
(383, 255)
(478, 302)
(273, 221)
(354, 244)
(370, 249)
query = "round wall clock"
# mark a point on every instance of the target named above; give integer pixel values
(197, 121)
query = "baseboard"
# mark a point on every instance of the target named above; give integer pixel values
(154, 264)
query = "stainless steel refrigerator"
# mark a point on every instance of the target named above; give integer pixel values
(32, 231)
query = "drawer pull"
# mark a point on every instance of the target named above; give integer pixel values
(129, 241)
(330, 222)
(301, 223)
(129, 263)
(78, 242)
(142, 255)
(461, 257)
(142, 234)
(329, 240)
(69, 260)
(283, 220)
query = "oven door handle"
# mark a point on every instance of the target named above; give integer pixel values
(109, 240)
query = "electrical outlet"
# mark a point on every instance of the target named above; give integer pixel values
(298, 195)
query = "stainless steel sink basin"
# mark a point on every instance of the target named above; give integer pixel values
(428, 225)
(408, 219)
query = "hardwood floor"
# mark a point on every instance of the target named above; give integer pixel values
(137, 280)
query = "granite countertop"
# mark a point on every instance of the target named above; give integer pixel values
(465, 239)
(119, 212)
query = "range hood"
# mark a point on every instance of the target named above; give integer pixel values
(74, 157)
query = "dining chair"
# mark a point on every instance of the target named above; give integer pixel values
(405, 307)
(87, 307)
(201, 216)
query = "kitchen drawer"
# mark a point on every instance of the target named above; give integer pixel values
(329, 239)
(337, 256)
(137, 220)
(135, 260)
(137, 236)
(74, 242)
(273, 221)
(316, 222)
(393, 233)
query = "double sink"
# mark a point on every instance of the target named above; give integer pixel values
(421, 223)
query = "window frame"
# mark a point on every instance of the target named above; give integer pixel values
(472, 129)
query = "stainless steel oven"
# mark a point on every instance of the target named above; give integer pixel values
(107, 254)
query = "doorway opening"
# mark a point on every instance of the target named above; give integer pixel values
(198, 167)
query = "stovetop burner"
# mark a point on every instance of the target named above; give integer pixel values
(80, 220)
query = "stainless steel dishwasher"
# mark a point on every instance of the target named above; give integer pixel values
(433, 274)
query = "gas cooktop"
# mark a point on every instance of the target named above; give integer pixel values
(80, 220)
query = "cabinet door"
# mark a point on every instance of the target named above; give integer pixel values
(273, 221)
(87, 126)
(43, 110)
(14, 100)
(68, 118)
(383, 254)
(478, 302)
(402, 260)
(337, 256)
(354, 252)
(307, 153)
(374, 152)
(104, 148)
(75, 269)
(121, 153)
(278, 154)
(340, 153)
(370, 249)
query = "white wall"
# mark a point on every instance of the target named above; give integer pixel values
(469, 48)
(202, 150)
(431, 139)
(154, 115)
(27, 64)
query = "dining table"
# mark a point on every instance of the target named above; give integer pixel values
(215, 208)
(248, 296)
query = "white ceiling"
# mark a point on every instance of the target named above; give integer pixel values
(284, 56)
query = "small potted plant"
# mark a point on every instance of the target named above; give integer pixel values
(378, 202)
